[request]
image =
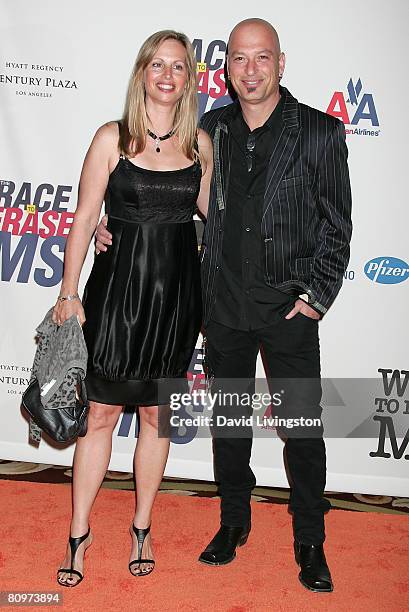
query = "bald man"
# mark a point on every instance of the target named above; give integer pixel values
(278, 227)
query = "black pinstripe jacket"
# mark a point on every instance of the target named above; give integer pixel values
(306, 223)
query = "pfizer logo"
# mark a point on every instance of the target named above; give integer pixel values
(387, 270)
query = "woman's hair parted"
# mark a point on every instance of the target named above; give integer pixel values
(134, 124)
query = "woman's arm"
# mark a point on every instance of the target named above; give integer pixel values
(93, 183)
(206, 151)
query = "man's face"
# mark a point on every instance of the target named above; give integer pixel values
(254, 63)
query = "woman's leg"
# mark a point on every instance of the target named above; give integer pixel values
(91, 460)
(150, 458)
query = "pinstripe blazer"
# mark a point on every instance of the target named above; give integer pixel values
(306, 222)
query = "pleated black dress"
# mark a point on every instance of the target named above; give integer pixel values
(142, 300)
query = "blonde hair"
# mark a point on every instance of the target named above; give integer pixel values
(134, 124)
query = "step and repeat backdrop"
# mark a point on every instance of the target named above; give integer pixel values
(64, 69)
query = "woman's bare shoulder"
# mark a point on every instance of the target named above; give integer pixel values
(108, 132)
(203, 139)
(106, 137)
(205, 149)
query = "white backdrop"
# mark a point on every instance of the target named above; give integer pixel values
(64, 69)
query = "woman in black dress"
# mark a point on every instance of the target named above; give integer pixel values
(141, 308)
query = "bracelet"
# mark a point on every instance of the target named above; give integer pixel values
(62, 298)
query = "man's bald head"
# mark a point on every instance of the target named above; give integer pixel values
(255, 63)
(253, 25)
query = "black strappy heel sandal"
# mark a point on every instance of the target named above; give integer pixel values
(74, 544)
(141, 535)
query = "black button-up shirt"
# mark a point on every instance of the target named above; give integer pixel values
(243, 300)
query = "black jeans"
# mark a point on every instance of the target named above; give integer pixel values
(290, 349)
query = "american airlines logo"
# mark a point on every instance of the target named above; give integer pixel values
(356, 108)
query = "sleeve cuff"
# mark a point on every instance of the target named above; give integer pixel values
(307, 297)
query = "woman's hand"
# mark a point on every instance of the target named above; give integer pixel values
(65, 309)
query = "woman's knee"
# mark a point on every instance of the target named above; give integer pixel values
(149, 415)
(102, 416)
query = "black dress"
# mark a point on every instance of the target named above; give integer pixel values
(142, 300)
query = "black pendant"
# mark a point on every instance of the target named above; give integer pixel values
(158, 139)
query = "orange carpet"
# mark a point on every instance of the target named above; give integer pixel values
(367, 553)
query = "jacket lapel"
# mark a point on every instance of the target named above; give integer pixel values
(222, 159)
(284, 148)
(220, 179)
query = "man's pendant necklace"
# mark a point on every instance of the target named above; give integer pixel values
(158, 139)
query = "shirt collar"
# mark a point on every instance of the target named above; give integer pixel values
(276, 115)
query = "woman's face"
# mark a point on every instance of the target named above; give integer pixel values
(166, 74)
